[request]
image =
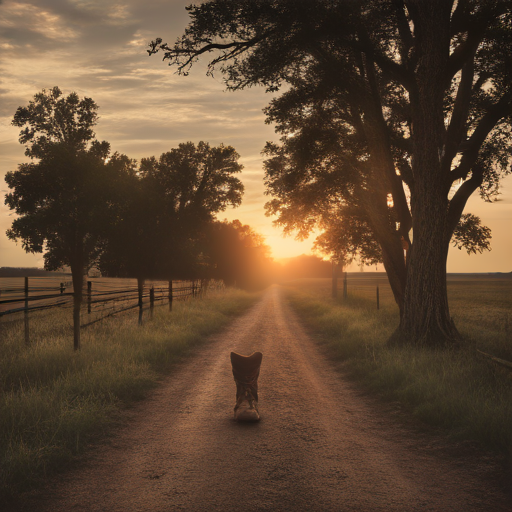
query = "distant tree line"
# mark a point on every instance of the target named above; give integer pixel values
(84, 206)
(24, 272)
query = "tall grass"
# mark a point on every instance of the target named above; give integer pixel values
(55, 401)
(459, 390)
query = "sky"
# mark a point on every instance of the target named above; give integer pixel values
(97, 48)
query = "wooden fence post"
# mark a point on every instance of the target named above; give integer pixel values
(334, 279)
(27, 333)
(77, 306)
(170, 295)
(89, 296)
(140, 287)
(345, 286)
(378, 302)
(151, 301)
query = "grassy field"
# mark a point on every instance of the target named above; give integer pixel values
(55, 401)
(459, 390)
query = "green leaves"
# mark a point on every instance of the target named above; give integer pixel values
(66, 197)
(50, 119)
(166, 208)
(471, 235)
(198, 179)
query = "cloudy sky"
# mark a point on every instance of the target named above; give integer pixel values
(98, 49)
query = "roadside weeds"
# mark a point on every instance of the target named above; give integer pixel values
(458, 390)
(55, 401)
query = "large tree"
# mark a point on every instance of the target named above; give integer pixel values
(65, 196)
(404, 104)
(167, 208)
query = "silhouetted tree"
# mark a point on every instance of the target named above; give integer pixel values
(167, 209)
(402, 107)
(64, 197)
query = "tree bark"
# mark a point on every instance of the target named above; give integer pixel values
(426, 317)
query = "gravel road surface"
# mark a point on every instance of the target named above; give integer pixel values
(321, 444)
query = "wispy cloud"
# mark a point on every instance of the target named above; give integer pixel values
(98, 49)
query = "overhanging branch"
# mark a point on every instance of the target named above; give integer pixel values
(459, 200)
(499, 110)
(173, 54)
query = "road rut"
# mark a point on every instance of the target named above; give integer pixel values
(321, 444)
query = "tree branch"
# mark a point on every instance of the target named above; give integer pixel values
(381, 143)
(404, 30)
(475, 29)
(459, 200)
(405, 171)
(457, 129)
(397, 72)
(173, 54)
(498, 111)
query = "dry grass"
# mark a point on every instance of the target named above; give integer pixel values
(459, 390)
(55, 401)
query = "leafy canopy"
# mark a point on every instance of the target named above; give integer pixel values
(354, 89)
(67, 194)
(169, 206)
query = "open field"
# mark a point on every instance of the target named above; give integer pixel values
(459, 390)
(55, 400)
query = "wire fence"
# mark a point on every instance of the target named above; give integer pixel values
(101, 297)
(373, 286)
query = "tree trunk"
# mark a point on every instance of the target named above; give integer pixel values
(389, 241)
(394, 264)
(426, 318)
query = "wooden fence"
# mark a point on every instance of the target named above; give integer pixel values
(102, 297)
(358, 284)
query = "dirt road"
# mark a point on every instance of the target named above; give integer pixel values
(320, 446)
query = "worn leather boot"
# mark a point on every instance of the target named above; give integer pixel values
(246, 370)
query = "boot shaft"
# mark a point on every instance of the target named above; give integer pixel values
(246, 370)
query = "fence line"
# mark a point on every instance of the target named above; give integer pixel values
(353, 288)
(107, 301)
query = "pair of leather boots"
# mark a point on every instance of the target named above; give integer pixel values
(246, 370)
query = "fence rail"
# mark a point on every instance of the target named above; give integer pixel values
(101, 297)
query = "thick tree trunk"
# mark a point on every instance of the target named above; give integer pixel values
(426, 318)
